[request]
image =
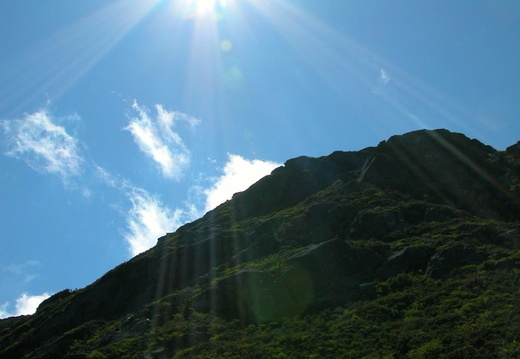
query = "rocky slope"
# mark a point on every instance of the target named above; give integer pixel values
(350, 242)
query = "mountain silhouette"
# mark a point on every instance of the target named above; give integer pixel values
(409, 249)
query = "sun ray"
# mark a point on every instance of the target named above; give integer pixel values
(59, 61)
(357, 70)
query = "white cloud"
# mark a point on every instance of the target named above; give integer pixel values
(149, 219)
(168, 119)
(27, 304)
(157, 139)
(383, 77)
(24, 305)
(107, 178)
(39, 141)
(239, 174)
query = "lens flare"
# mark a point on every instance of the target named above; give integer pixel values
(226, 45)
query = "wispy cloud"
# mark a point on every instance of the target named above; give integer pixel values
(25, 304)
(26, 270)
(383, 77)
(149, 219)
(238, 175)
(42, 143)
(158, 140)
(168, 119)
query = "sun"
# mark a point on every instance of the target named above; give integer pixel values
(202, 8)
(206, 10)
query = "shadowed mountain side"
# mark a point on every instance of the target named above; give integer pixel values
(316, 234)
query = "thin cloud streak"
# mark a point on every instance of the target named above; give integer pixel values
(26, 270)
(43, 144)
(157, 139)
(383, 77)
(168, 119)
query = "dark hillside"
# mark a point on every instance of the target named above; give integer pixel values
(410, 249)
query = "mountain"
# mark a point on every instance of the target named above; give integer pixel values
(409, 249)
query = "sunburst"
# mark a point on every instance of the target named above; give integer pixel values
(202, 8)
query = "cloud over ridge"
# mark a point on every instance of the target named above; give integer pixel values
(24, 305)
(238, 175)
(148, 219)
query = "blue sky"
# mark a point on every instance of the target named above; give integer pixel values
(121, 120)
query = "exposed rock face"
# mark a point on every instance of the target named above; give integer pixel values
(449, 167)
(315, 234)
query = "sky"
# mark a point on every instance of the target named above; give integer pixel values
(121, 120)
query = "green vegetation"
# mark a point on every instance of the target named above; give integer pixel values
(475, 314)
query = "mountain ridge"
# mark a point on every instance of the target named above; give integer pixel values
(316, 234)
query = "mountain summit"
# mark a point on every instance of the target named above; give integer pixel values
(409, 249)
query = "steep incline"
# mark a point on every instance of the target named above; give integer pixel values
(316, 234)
